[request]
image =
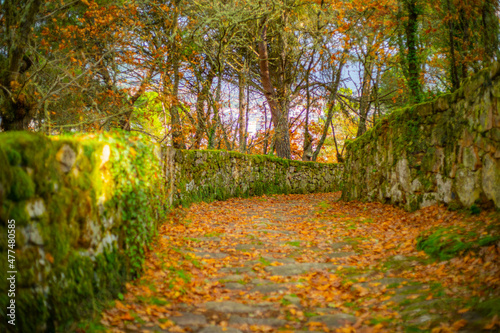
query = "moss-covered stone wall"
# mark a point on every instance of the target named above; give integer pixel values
(86, 207)
(444, 151)
(194, 175)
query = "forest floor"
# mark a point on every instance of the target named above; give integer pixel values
(297, 263)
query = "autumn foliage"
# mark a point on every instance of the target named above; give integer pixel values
(194, 68)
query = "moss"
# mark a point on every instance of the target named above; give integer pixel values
(446, 243)
(29, 306)
(14, 157)
(16, 211)
(30, 271)
(489, 307)
(22, 187)
(37, 152)
(5, 174)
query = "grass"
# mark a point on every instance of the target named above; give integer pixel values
(196, 240)
(285, 302)
(213, 234)
(490, 307)
(264, 262)
(153, 300)
(444, 243)
(93, 325)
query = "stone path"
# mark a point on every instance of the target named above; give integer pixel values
(274, 264)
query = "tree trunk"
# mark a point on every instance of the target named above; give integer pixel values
(333, 93)
(175, 120)
(266, 138)
(490, 29)
(411, 44)
(279, 115)
(247, 110)
(340, 159)
(200, 105)
(16, 112)
(241, 109)
(307, 145)
(364, 104)
(455, 81)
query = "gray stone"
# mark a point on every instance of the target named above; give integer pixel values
(273, 322)
(403, 173)
(427, 304)
(389, 280)
(209, 239)
(211, 255)
(234, 286)
(266, 224)
(268, 288)
(259, 281)
(429, 199)
(292, 299)
(35, 207)
(32, 234)
(66, 157)
(443, 188)
(108, 242)
(280, 260)
(414, 288)
(396, 299)
(416, 186)
(334, 320)
(423, 319)
(230, 307)
(272, 231)
(232, 278)
(395, 194)
(338, 245)
(247, 247)
(106, 153)
(466, 186)
(340, 254)
(491, 179)
(190, 319)
(219, 329)
(297, 269)
(91, 233)
(237, 270)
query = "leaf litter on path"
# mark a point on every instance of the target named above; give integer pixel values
(297, 263)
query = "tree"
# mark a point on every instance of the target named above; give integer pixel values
(18, 19)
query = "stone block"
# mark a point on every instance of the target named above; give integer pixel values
(444, 186)
(466, 186)
(442, 104)
(491, 179)
(66, 157)
(403, 174)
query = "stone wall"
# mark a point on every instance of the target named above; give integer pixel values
(445, 151)
(86, 207)
(71, 198)
(194, 175)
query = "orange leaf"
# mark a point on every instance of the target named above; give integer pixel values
(49, 257)
(127, 316)
(459, 324)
